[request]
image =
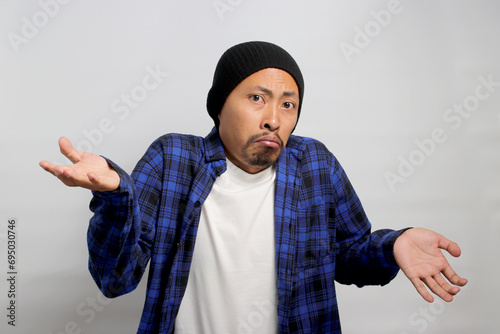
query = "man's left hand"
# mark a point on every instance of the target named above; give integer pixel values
(418, 254)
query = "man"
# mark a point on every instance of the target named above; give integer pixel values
(245, 230)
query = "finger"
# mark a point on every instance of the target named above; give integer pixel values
(450, 246)
(97, 182)
(436, 288)
(64, 171)
(68, 150)
(452, 276)
(417, 283)
(452, 290)
(94, 179)
(54, 169)
(101, 183)
(48, 166)
(72, 178)
(58, 171)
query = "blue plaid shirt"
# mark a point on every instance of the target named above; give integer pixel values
(322, 234)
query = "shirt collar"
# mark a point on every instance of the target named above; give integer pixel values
(213, 146)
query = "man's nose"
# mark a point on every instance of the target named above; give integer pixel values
(271, 120)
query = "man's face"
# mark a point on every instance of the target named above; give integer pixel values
(257, 119)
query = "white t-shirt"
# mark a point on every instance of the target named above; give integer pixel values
(232, 281)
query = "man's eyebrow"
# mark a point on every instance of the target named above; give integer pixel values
(290, 93)
(264, 90)
(270, 93)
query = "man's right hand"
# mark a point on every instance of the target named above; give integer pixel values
(88, 170)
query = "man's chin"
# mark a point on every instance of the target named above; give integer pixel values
(262, 160)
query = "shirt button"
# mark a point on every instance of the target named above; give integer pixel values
(197, 204)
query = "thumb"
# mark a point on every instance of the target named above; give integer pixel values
(450, 246)
(68, 150)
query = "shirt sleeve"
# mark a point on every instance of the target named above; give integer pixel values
(121, 231)
(364, 257)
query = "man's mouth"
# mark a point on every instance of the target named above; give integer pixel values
(271, 141)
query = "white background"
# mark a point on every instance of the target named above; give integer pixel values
(63, 67)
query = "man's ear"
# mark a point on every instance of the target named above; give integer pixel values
(217, 121)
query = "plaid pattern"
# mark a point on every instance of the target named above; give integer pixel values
(321, 231)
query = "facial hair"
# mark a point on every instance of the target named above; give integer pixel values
(263, 157)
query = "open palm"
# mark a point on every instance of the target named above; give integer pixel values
(418, 254)
(88, 170)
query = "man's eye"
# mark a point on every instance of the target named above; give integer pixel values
(288, 105)
(256, 98)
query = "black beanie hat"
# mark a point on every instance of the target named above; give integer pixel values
(241, 61)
